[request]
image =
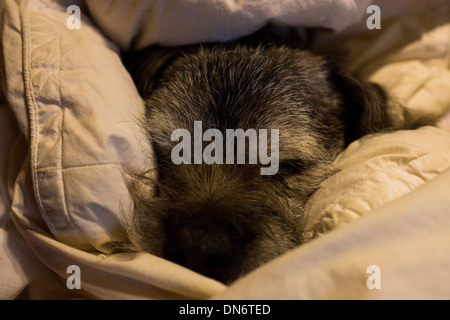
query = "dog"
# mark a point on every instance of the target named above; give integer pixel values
(224, 220)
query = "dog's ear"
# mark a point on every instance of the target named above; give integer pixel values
(147, 66)
(365, 103)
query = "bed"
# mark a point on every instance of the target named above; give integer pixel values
(378, 229)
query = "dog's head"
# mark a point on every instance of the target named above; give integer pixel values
(224, 219)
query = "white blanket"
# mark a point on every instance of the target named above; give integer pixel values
(69, 137)
(173, 22)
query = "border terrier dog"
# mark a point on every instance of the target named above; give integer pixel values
(224, 219)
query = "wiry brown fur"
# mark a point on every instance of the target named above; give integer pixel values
(226, 220)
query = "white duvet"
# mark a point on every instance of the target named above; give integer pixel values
(69, 136)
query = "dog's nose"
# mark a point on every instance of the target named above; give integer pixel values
(207, 251)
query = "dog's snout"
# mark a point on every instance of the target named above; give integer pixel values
(205, 250)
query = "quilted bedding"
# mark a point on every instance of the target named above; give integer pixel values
(69, 137)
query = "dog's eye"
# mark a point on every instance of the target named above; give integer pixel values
(294, 166)
(157, 191)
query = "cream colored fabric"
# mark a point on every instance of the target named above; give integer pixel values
(136, 24)
(68, 112)
(392, 165)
